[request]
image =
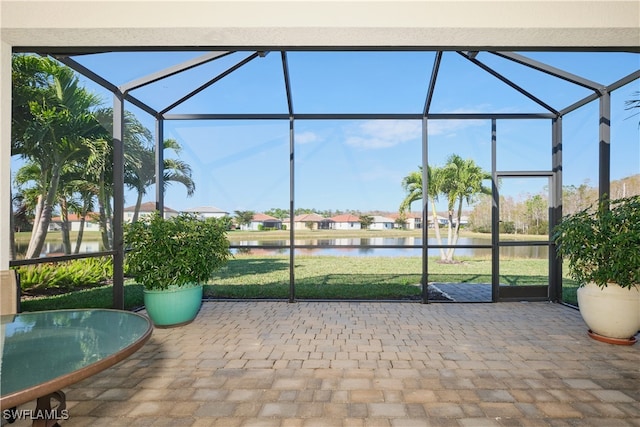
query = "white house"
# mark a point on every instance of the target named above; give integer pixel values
(146, 209)
(311, 221)
(90, 222)
(382, 223)
(346, 222)
(413, 220)
(262, 221)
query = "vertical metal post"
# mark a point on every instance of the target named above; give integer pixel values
(292, 278)
(555, 210)
(118, 200)
(425, 210)
(495, 217)
(605, 146)
(159, 165)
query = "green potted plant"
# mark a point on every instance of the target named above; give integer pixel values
(172, 258)
(602, 247)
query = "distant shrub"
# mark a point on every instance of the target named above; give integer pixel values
(507, 227)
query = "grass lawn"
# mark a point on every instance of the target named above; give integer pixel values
(324, 277)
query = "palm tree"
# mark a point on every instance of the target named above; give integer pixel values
(412, 184)
(244, 217)
(143, 176)
(54, 126)
(462, 181)
(459, 180)
(137, 140)
(633, 103)
(365, 221)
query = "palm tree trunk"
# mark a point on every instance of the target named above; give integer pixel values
(436, 226)
(456, 232)
(39, 233)
(450, 236)
(103, 201)
(137, 209)
(36, 219)
(76, 250)
(86, 206)
(64, 216)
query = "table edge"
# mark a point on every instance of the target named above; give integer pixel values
(28, 394)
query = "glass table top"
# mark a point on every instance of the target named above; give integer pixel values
(38, 347)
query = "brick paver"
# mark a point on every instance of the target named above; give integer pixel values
(367, 364)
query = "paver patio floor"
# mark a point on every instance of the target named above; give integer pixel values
(357, 364)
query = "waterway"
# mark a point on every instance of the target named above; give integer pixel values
(348, 247)
(358, 247)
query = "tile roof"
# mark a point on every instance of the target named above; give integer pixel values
(148, 207)
(346, 218)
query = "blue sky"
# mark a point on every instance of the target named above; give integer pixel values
(359, 164)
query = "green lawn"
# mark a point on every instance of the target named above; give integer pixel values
(325, 277)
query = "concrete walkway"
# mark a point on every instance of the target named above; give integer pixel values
(356, 364)
(465, 292)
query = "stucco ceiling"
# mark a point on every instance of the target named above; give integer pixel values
(477, 23)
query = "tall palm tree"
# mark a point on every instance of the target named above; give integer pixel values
(462, 181)
(55, 126)
(459, 180)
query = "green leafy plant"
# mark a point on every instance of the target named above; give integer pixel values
(78, 273)
(176, 251)
(602, 243)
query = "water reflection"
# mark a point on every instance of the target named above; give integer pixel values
(57, 249)
(331, 247)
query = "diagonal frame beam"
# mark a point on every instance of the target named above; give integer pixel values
(548, 69)
(212, 81)
(510, 83)
(171, 71)
(432, 82)
(71, 63)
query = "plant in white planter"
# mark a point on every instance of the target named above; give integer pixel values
(172, 258)
(602, 246)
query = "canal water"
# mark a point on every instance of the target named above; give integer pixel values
(345, 247)
(332, 247)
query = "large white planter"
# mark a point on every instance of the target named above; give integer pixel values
(612, 312)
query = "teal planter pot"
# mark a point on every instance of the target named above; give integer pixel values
(173, 307)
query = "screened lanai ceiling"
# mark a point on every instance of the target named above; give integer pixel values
(318, 84)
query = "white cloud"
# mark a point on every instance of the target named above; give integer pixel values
(375, 134)
(306, 137)
(378, 134)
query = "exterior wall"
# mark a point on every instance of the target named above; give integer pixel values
(88, 226)
(347, 226)
(381, 223)
(5, 152)
(300, 225)
(381, 226)
(255, 225)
